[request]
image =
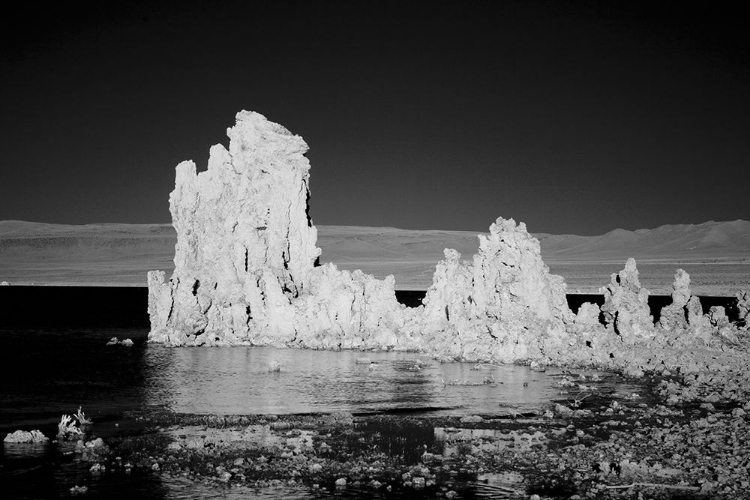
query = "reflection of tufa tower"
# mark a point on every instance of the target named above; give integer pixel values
(244, 238)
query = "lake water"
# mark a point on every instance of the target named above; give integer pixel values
(45, 372)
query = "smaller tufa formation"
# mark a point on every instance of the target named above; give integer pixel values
(350, 310)
(625, 307)
(34, 436)
(717, 316)
(685, 313)
(504, 303)
(674, 316)
(743, 307)
(588, 316)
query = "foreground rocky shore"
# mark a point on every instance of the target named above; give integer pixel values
(672, 437)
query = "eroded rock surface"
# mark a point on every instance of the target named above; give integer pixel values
(504, 305)
(743, 307)
(245, 259)
(245, 244)
(34, 436)
(245, 271)
(674, 316)
(625, 307)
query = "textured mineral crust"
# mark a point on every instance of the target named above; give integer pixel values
(34, 436)
(246, 272)
(625, 306)
(504, 305)
(245, 244)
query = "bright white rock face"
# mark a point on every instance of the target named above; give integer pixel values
(246, 273)
(674, 315)
(245, 244)
(34, 436)
(502, 306)
(626, 309)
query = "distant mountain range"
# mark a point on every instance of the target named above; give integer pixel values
(710, 240)
(121, 253)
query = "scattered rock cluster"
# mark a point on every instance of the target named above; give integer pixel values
(602, 446)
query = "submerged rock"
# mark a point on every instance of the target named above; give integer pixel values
(116, 341)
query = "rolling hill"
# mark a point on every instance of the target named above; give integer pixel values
(121, 254)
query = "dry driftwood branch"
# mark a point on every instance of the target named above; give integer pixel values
(653, 485)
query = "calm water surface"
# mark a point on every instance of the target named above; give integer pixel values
(47, 372)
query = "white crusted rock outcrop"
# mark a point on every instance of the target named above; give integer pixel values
(19, 436)
(674, 316)
(246, 273)
(625, 308)
(246, 255)
(503, 306)
(245, 244)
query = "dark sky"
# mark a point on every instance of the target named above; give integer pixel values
(574, 117)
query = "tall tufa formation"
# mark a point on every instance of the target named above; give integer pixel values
(245, 244)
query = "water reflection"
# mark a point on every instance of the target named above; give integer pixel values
(244, 380)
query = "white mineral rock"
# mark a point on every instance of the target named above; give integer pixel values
(588, 315)
(626, 307)
(717, 315)
(695, 317)
(245, 244)
(503, 306)
(245, 259)
(674, 316)
(35, 436)
(246, 273)
(743, 306)
(350, 310)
